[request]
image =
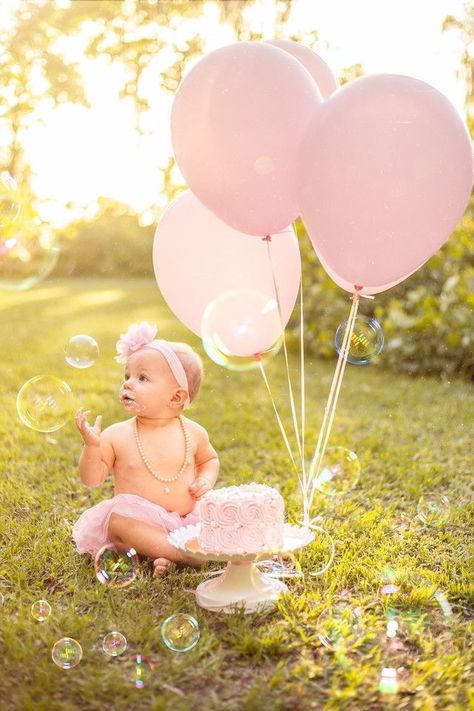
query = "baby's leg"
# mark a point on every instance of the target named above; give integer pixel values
(146, 538)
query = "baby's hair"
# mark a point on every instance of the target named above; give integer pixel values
(192, 364)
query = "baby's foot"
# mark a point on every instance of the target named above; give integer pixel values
(160, 566)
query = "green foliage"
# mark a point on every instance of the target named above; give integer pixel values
(113, 244)
(412, 435)
(428, 320)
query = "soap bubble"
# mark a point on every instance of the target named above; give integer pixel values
(388, 681)
(180, 632)
(339, 472)
(322, 551)
(81, 351)
(139, 672)
(114, 644)
(116, 565)
(27, 255)
(66, 653)
(9, 199)
(416, 608)
(41, 610)
(241, 329)
(389, 578)
(282, 565)
(433, 509)
(366, 341)
(45, 403)
(340, 625)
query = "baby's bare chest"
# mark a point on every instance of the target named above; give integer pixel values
(154, 469)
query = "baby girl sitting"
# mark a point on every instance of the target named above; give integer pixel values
(162, 462)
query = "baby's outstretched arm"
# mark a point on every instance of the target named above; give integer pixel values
(97, 455)
(207, 466)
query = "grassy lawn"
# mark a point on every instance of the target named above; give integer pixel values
(412, 436)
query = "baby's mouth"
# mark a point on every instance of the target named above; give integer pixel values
(127, 400)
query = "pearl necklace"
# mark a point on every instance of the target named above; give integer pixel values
(145, 461)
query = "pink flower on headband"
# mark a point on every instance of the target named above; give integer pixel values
(138, 336)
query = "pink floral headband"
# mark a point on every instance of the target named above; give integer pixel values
(142, 335)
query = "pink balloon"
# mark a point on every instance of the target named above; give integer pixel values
(365, 290)
(236, 125)
(197, 258)
(317, 67)
(384, 175)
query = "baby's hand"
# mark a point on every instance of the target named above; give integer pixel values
(90, 435)
(199, 487)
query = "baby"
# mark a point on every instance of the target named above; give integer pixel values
(162, 462)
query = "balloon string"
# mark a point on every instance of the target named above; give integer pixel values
(302, 389)
(278, 418)
(268, 240)
(330, 409)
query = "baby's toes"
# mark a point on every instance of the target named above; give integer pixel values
(160, 566)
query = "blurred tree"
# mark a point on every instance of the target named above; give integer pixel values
(35, 76)
(464, 27)
(349, 73)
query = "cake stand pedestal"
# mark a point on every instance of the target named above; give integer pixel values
(241, 584)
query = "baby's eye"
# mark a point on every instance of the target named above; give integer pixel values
(126, 376)
(142, 378)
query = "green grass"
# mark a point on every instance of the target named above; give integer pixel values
(412, 436)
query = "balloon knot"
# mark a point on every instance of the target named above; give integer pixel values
(257, 356)
(267, 238)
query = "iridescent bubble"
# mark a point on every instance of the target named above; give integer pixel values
(9, 199)
(45, 403)
(366, 341)
(114, 644)
(2, 600)
(284, 565)
(180, 632)
(433, 509)
(388, 681)
(81, 351)
(66, 653)
(241, 329)
(339, 472)
(322, 551)
(139, 672)
(27, 255)
(389, 578)
(392, 628)
(116, 565)
(41, 610)
(340, 625)
(416, 608)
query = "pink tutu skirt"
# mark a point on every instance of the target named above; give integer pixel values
(90, 532)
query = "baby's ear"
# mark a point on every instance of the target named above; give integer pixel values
(179, 398)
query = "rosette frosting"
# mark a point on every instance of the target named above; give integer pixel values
(242, 519)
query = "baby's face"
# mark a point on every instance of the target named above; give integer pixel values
(148, 384)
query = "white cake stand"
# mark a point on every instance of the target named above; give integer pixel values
(241, 583)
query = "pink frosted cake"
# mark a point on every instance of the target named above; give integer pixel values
(242, 519)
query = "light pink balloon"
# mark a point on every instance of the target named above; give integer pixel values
(197, 258)
(384, 175)
(317, 67)
(365, 290)
(237, 122)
